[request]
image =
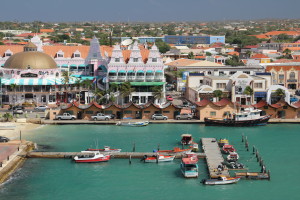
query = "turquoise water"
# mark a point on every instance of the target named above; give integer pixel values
(117, 179)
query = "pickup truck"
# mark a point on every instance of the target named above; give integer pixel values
(184, 116)
(65, 116)
(101, 116)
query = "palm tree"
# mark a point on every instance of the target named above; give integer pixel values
(287, 53)
(126, 90)
(218, 94)
(280, 93)
(157, 92)
(248, 91)
(14, 87)
(7, 116)
(65, 78)
(98, 93)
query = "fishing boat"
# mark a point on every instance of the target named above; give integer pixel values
(95, 157)
(157, 158)
(134, 124)
(186, 139)
(228, 148)
(249, 117)
(222, 180)
(176, 150)
(233, 157)
(189, 166)
(106, 149)
(223, 142)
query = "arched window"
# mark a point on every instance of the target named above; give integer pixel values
(292, 75)
(57, 74)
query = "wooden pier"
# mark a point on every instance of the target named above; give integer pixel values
(113, 154)
(214, 157)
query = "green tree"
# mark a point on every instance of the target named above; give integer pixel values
(157, 92)
(218, 94)
(248, 91)
(8, 117)
(208, 54)
(126, 90)
(280, 93)
(65, 78)
(234, 61)
(14, 88)
(162, 46)
(287, 53)
(191, 55)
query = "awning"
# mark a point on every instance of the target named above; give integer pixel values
(140, 71)
(158, 71)
(146, 83)
(87, 78)
(130, 71)
(112, 71)
(122, 71)
(64, 66)
(73, 65)
(260, 94)
(81, 65)
(36, 81)
(76, 75)
(149, 71)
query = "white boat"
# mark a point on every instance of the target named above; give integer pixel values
(96, 157)
(189, 166)
(135, 124)
(195, 147)
(222, 180)
(106, 149)
(186, 139)
(233, 156)
(158, 158)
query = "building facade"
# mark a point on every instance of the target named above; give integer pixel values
(201, 39)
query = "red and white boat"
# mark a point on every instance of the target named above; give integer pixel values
(233, 157)
(158, 158)
(106, 149)
(186, 139)
(96, 157)
(222, 180)
(176, 150)
(189, 166)
(228, 148)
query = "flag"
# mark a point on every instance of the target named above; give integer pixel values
(94, 80)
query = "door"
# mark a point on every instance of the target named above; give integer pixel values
(281, 114)
(243, 101)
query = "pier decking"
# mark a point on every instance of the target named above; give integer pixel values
(114, 154)
(214, 157)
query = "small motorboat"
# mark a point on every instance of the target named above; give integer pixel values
(228, 148)
(223, 142)
(106, 149)
(222, 180)
(134, 124)
(234, 165)
(186, 139)
(157, 158)
(195, 147)
(95, 157)
(233, 157)
(176, 150)
(189, 166)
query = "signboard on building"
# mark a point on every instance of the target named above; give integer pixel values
(184, 76)
(29, 75)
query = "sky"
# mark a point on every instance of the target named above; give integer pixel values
(147, 10)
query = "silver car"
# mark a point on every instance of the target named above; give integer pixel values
(184, 116)
(159, 117)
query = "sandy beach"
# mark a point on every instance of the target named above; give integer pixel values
(14, 134)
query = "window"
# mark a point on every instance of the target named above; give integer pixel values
(59, 55)
(200, 81)
(90, 112)
(257, 85)
(117, 59)
(147, 111)
(292, 75)
(281, 76)
(77, 55)
(43, 98)
(246, 72)
(285, 107)
(154, 59)
(212, 113)
(108, 112)
(232, 72)
(221, 85)
(135, 59)
(166, 111)
(266, 107)
(127, 112)
(52, 98)
(8, 54)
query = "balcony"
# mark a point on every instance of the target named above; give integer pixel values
(140, 78)
(292, 80)
(159, 78)
(150, 77)
(112, 78)
(121, 78)
(131, 78)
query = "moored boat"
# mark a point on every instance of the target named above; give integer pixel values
(249, 117)
(106, 149)
(96, 157)
(195, 147)
(158, 158)
(176, 150)
(222, 180)
(134, 124)
(186, 139)
(189, 166)
(223, 142)
(228, 148)
(233, 157)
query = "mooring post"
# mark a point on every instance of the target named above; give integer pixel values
(129, 159)
(158, 147)
(243, 137)
(269, 174)
(253, 149)
(133, 148)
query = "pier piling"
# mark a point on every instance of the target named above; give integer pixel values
(133, 148)
(130, 159)
(253, 149)
(243, 137)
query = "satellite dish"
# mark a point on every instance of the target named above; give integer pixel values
(126, 42)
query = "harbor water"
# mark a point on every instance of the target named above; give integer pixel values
(51, 179)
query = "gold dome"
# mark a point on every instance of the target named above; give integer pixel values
(30, 59)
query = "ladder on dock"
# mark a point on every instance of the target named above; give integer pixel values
(214, 157)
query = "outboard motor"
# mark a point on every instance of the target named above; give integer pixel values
(144, 158)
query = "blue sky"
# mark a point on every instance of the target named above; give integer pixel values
(147, 10)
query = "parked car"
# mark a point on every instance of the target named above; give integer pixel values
(15, 107)
(67, 116)
(3, 139)
(159, 117)
(101, 116)
(41, 108)
(184, 116)
(18, 111)
(169, 98)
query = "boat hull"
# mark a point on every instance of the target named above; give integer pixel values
(231, 122)
(92, 160)
(189, 171)
(220, 182)
(154, 160)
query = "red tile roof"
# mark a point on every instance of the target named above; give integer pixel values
(203, 102)
(223, 102)
(259, 56)
(260, 104)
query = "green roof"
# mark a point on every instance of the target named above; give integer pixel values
(122, 71)
(149, 71)
(140, 71)
(112, 71)
(130, 71)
